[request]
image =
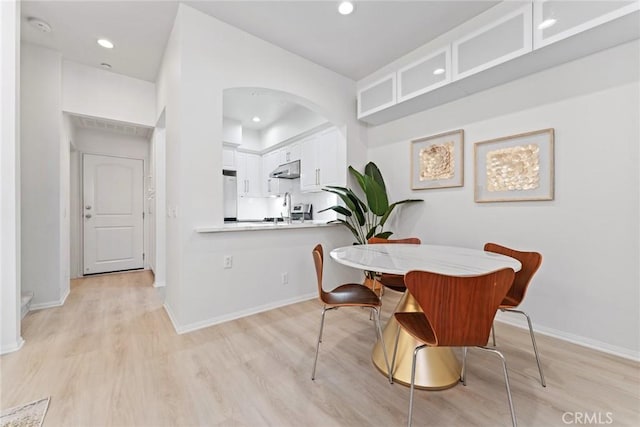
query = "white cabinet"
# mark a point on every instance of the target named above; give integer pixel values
(249, 168)
(502, 40)
(228, 158)
(377, 96)
(319, 165)
(273, 186)
(425, 75)
(556, 20)
(290, 153)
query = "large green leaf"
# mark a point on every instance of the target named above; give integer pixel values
(351, 200)
(371, 169)
(358, 176)
(376, 196)
(337, 208)
(384, 234)
(393, 205)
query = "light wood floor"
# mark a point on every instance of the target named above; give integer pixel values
(110, 356)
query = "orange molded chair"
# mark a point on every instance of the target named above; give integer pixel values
(458, 312)
(393, 281)
(347, 295)
(530, 263)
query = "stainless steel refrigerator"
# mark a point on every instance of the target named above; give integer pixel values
(230, 195)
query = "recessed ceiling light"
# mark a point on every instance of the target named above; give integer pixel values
(105, 43)
(105, 66)
(345, 7)
(256, 119)
(549, 22)
(39, 24)
(438, 71)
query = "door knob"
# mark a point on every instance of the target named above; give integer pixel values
(87, 216)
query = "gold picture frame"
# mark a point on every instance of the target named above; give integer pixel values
(438, 161)
(515, 168)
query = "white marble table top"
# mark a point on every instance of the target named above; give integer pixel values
(401, 258)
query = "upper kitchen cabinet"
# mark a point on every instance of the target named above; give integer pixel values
(507, 42)
(556, 20)
(274, 186)
(502, 40)
(228, 158)
(290, 153)
(319, 165)
(425, 74)
(249, 168)
(377, 96)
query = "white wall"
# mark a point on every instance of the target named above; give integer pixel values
(158, 205)
(99, 93)
(198, 289)
(66, 138)
(587, 288)
(294, 123)
(107, 143)
(10, 339)
(40, 148)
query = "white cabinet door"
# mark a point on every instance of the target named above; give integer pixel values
(309, 164)
(425, 75)
(229, 159)
(249, 170)
(270, 161)
(291, 153)
(557, 20)
(377, 96)
(327, 158)
(320, 165)
(505, 39)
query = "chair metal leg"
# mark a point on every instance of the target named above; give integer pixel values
(395, 351)
(413, 380)
(324, 310)
(493, 333)
(533, 341)
(506, 381)
(463, 376)
(384, 348)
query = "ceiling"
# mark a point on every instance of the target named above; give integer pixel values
(377, 33)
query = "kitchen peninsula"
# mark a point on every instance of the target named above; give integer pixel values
(253, 226)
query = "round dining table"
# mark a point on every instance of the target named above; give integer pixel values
(437, 368)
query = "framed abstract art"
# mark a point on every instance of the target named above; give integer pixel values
(438, 161)
(515, 168)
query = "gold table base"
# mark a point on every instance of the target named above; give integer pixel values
(437, 368)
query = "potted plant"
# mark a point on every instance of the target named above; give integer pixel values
(366, 220)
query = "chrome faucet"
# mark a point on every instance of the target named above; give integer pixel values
(287, 203)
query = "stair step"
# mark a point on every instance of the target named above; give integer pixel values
(25, 302)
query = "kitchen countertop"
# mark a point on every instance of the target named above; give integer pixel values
(259, 225)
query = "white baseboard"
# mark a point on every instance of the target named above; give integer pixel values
(12, 347)
(519, 321)
(172, 318)
(235, 315)
(159, 284)
(51, 304)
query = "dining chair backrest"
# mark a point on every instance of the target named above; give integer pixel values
(530, 263)
(460, 310)
(318, 259)
(410, 240)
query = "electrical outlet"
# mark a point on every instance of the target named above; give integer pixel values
(228, 261)
(285, 278)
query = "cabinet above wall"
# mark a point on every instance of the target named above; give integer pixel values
(509, 47)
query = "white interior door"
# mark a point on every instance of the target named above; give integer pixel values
(112, 213)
